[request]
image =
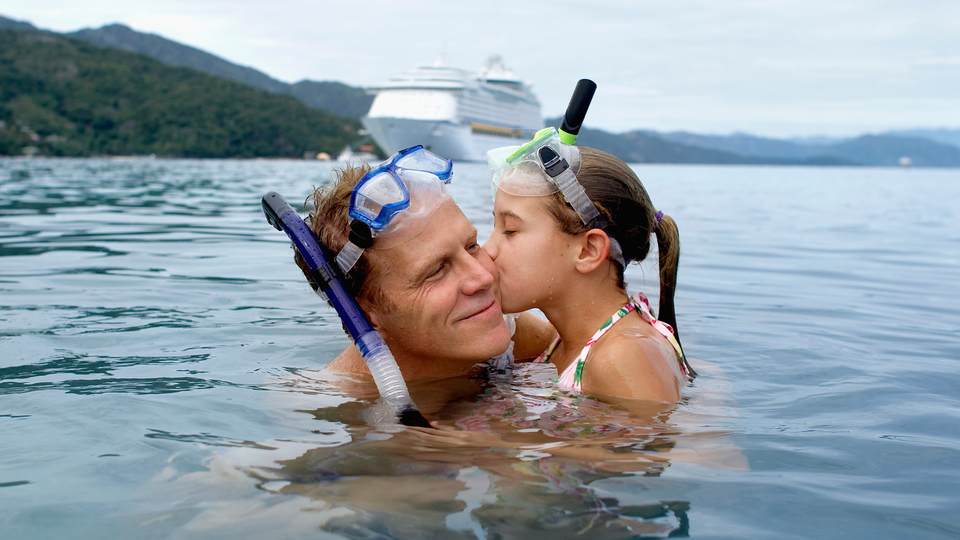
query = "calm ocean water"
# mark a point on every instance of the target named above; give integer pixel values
(159, 358)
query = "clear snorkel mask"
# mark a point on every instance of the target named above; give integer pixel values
(544, 166)
(393, 201)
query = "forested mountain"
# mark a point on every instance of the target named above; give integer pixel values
(172, 53)
(16, 25)
(63, 96)
(333, 97)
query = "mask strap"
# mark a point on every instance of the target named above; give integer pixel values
(361, 237)
(616, 252)
(559, 170)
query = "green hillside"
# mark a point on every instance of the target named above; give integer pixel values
(333, 97)
(66, 97)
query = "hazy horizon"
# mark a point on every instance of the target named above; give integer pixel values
(784, 70)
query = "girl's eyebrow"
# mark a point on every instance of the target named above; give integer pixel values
(510, 214)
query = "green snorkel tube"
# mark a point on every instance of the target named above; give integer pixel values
(569, 129)
(576, 111)
(546, 146)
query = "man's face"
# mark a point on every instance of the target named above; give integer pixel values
(444, 288)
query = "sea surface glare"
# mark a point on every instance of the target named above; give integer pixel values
(160, 358)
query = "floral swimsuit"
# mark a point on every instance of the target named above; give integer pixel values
(570, 378)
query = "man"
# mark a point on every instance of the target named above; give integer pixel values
(422, 279)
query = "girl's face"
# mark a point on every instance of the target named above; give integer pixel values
(531, 253)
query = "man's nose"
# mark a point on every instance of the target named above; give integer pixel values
(478, 277)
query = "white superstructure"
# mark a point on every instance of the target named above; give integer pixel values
(452, 112)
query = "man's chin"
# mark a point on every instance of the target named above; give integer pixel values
(498, 340)
(485, 343)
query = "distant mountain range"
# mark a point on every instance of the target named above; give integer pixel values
(333, 97)
(923, 147)
(61, 96)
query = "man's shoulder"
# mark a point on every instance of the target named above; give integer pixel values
(348, 361)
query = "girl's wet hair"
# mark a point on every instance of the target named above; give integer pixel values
(631, 217)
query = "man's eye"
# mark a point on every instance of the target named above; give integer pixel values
(436, 272)
(472, 248)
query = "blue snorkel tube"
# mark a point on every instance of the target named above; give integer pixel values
(379, 359)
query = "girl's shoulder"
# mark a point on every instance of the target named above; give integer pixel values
(634, 361)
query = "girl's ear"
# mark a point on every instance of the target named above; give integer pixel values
(594, 249)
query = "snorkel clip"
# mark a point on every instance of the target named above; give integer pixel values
(552, 163)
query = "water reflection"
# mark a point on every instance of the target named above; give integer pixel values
(511, 457)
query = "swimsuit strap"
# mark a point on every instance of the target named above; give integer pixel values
(545, 355)
(640, 301)
(571, 377)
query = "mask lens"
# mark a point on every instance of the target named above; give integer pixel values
(377, 199)
(423, 160)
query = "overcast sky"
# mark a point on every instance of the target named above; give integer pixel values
(778, 68)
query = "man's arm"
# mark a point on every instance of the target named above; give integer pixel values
(534, 334)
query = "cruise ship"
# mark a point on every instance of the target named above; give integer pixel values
(454, 113)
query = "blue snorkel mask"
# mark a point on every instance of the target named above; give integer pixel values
(393, 201)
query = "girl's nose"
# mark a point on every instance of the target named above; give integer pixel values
(490, 246)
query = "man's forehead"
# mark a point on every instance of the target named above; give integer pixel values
(446, 232)
(448, 228)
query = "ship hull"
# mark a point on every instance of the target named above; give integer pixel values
(453, 141)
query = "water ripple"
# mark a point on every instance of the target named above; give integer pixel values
(164, 385)
(81, 364)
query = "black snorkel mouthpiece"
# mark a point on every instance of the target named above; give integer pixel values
(360, 234)
(383, 367)
(576, 111)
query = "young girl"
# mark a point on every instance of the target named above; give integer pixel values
(567, 221)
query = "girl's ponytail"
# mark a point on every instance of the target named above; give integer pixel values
(668, 247)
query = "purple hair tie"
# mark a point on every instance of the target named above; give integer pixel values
(659, 215)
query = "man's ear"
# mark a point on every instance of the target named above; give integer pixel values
(594, 249)
(372, 315)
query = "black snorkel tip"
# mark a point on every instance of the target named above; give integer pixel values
(576, 110)
(413, 418)
(273, 203)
